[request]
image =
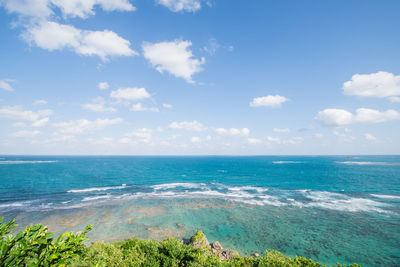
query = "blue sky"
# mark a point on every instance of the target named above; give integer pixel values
(193, 77)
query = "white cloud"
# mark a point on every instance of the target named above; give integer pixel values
(103, 85)
(233, 132)
(274, 101)
(139, 107)
(195, 139)
(69, 8)
(253, 141)
(143, 133)
(273, 139)
(292, 141)
(167, 105)
(173, 57)
(284, 130)
(341, 117)
(98, 105)
(17, 113)
(54, 36)
(380, 84)
(334, 117)
(5, 85)
(84, 126)
(40, 102)
(394, 99)
(130, 94)
(194, 126)
(84, 8)
(41, 122)
(36, 8)
(369, 137)
(25, 133)
(181, 5)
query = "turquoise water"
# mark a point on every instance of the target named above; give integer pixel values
(331, 209)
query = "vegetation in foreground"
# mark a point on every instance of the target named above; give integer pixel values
(35, 246)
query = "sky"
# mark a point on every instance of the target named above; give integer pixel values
(199, 77)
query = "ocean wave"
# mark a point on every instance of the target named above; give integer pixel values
(368, 163)
(26, 161)
(96, 198)
(245, 194)
(286, 162)
(92, 189)
(385, 196)
(175, 185)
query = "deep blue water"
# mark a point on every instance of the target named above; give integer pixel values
(329, 208)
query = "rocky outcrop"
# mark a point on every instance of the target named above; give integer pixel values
(199, 240)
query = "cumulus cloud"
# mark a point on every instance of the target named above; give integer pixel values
(369, 137)
(173, 57)
(40, 102)
(37, 8)
(167, 105)
(18, 113)
(274, 101)
(142, 135)
(291, 141)
(140, 107)
(25, 133)
(69, 8)
(130, 94)
(380, 84)
(84, 8)
(103, 85)
(194, 126)
(181, 5)
(195, 139)
(284, 130)
(341, 117)
(98, 105)
(41, 123)
(83, 126)
(253, 141)
(54, 36)
(5, 85)
(233, 132)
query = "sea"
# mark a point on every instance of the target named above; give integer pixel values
(328, 208)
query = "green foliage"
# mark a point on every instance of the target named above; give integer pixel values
(35, 246)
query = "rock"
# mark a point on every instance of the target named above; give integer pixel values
(228, 255)
(199, 240)
(255, 255)
(217, 246)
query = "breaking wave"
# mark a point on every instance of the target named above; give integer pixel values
(369, 163)
(246, 194)
(85, 190)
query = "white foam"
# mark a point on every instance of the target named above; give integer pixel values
(175, 185)
(286, 162)
(385, 196)
(336, 201)
(26, 161)
(96, 198)
(92, 189)
(368, 163)
(248, 188)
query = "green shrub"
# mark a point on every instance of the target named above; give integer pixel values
(35, 246)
